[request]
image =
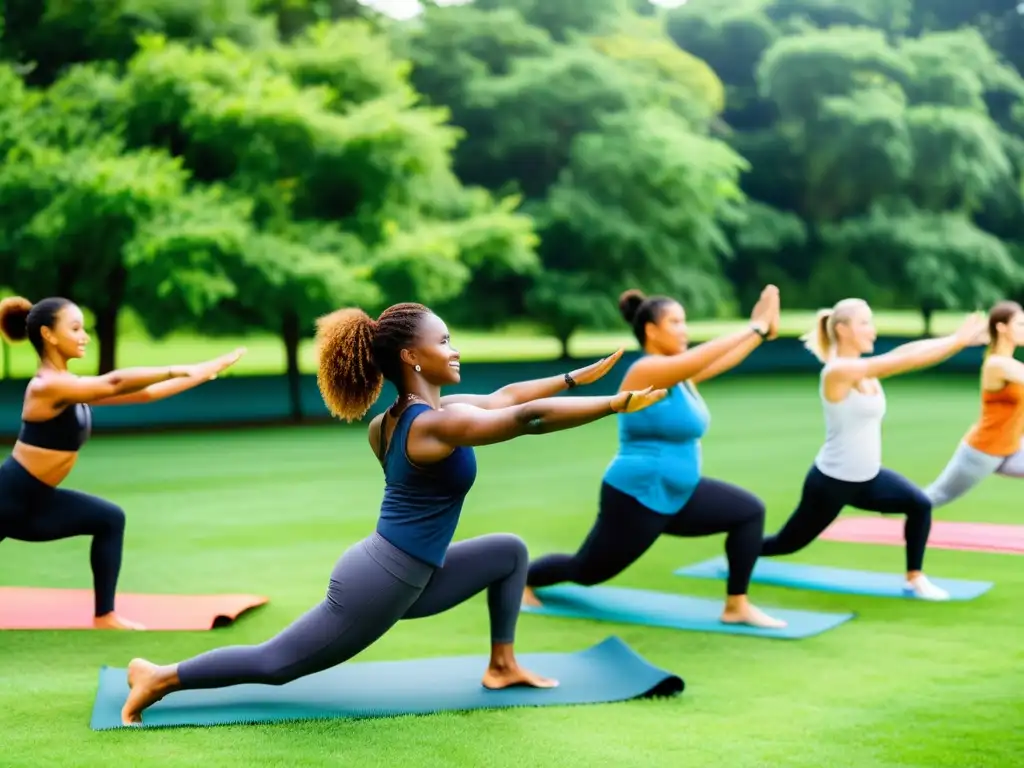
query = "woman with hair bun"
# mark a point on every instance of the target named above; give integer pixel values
(654, 485)
(408, 568)
(848, 469)
(56, 422)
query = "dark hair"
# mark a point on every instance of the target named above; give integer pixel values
(1002, 312)
(21, 319)
(357, 353)
(639, 310)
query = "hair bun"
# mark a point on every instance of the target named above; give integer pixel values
(629, 304)
(14, 317)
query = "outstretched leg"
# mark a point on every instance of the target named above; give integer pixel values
(966, 468)
(718, 507)
(623, 531)
(821, 501)
(372, 586)
(63, 514)
(892, 494)
(497, 563)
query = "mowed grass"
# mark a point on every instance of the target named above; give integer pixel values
(904, 684)
(266, 354)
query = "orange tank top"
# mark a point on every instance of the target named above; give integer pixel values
(998, 432)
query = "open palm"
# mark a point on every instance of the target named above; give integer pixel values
(594, 371)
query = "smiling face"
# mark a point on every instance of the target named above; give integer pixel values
(668, 334)
(67, 336)
(855, 328)
(433, 353)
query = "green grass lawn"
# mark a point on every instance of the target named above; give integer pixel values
(267, 355)
(269, 511)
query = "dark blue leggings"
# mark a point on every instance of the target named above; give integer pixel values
(824, 497)
(31, 510)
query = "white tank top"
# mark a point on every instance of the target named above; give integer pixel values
(853, 435)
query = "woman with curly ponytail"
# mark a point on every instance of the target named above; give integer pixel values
(408, 567)
(56, 422)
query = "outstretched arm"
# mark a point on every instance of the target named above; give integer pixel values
(907, 357)
(525, 391)
(196, 375)
(729, 360)
(436, 433)
(68, 388)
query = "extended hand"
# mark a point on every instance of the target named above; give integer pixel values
(211, 369)
(767, 308)
(631, 402)
(973, 331)
(594, 371)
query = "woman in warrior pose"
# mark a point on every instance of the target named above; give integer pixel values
(56, 422)
(408, 568)
(993, 443)
(848, 469)
(655, 486)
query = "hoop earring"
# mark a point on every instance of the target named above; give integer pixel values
(418, 369)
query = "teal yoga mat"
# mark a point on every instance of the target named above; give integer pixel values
(658, 609)
(607, 672)
(779, 573)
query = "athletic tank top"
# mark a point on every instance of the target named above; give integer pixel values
(999, 429)
(422, 505)
(67, 431)
(853, 435)
(659, 458)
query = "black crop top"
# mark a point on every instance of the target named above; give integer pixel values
(67, 431)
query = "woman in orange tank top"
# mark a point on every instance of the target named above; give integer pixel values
(993, 443)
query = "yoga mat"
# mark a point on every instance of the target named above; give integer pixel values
(657, 609)
(36, 608)
(841, 580)
(972, 537)
(609, 671)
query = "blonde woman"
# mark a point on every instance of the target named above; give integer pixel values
(848, 469)
(993, 443)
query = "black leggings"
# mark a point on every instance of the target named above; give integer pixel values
(625, 529)
(373, 586)
(31, 510)
(824, 497)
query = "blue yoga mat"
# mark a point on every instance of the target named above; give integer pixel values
(658, 609)
(609, 671)
(842, 580)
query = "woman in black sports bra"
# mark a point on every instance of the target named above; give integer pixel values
(56, 422)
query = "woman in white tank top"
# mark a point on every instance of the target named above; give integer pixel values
(848, 469)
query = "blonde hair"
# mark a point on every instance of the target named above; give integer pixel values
(821, 340)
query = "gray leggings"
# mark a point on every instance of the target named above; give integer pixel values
(967, 468)
(373, 586)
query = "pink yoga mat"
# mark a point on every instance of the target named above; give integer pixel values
(975, 537)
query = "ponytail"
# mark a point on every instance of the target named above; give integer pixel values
(818, 340)
(357, 353)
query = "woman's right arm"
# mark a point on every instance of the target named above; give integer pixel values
(460, 425)
(68, 388)
(909, 357)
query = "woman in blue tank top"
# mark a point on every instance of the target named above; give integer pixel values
(408, 568)
(56, 422)
(654, 485)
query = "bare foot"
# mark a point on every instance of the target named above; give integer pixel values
(752, 616)
(148, 683)
(530, 598)
(506, 677)
(113, 621)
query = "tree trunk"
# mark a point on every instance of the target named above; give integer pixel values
(291, 335)
(106, 320)
(563, 337)
(927, 313)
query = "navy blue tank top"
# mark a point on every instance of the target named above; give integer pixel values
(67, 431)
(422, 504)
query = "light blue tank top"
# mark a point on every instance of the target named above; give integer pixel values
(659, 458)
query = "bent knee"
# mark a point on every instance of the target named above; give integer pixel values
(509, 545)
(113, 518)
